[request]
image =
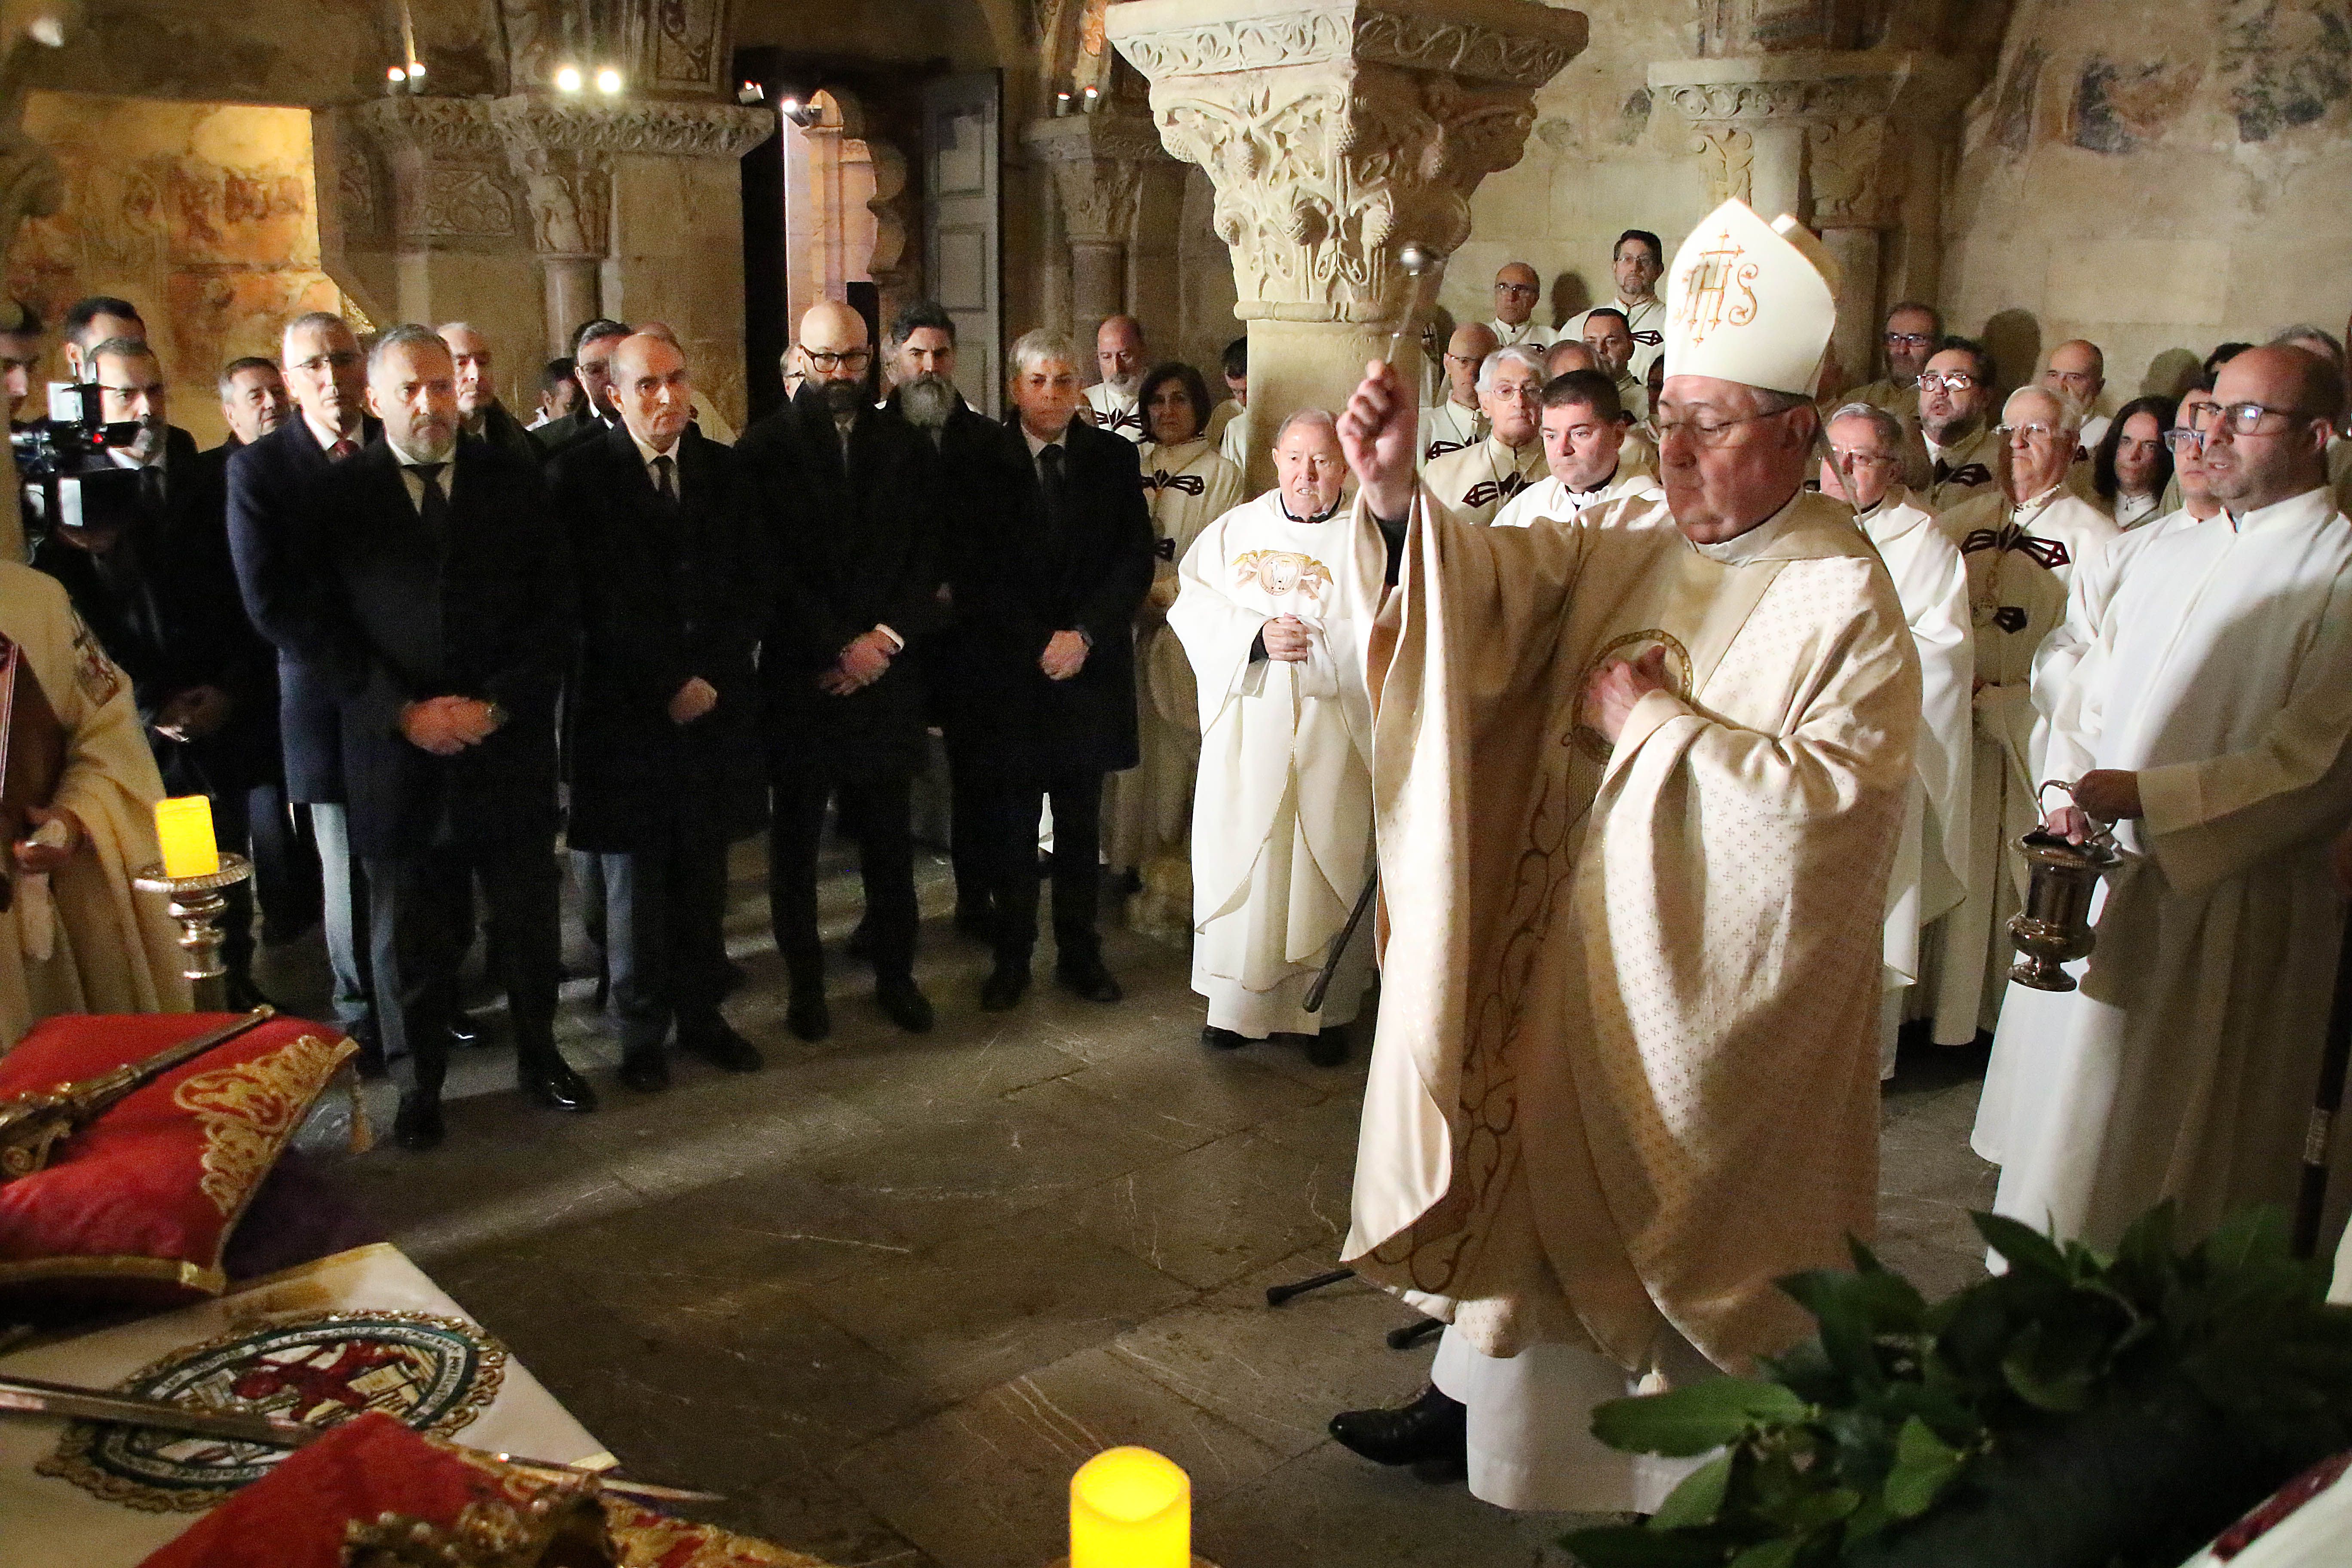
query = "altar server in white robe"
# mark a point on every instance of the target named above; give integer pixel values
(1475, 483)
(2021, 557)
(2214, 709)
(1189, 486)
(1637, 790)
(1930, 877)
(1276, 602)
(1583, 430)
(1457, 421)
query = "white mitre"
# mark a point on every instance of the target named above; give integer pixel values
(1751, 302)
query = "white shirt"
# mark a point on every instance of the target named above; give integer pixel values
(1529, 333)
(648, 457)
(412, 475)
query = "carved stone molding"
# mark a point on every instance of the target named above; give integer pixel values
(1483, 40)
(1728, 153)
(571, 196)
(1097, 161)
(435, 167)
(1336, 133)
(440, 127)
(630, 125)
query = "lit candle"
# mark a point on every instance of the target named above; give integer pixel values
(1130, 1507)
(184, 827)
(1094, 96)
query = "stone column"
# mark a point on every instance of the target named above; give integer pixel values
(1098, 163)
(454, 215)
(1847, 141)
(1336, 133)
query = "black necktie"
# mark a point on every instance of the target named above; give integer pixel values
(1049, 464)
(665, 477)
(433, 508)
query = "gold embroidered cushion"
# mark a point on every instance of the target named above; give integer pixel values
(139, 1204)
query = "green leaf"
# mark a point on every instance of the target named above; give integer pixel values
(2250, 1238)
(2026, 1248)
(2049, 1372)
(1923, 1466)
(1632, 1546)
(1768, 1554)
(1699, 1497)
(1691, 1420)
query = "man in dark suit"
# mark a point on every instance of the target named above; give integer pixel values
(969, 446)
(271, 510)
(591, 367)
(848, 501)
(481, 415)
(1046, 590)
(444, 613)
(155, 583)
(663, 739)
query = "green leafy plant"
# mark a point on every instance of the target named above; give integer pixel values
(2077, 1411)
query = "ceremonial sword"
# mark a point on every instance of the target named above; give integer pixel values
(35, 1396)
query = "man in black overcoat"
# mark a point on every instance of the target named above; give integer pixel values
(848, 502)
(1046, 590)
(446, 619)
(663, 742)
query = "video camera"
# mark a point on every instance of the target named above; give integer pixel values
(70, 479)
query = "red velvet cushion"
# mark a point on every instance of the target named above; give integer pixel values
(139, 1206)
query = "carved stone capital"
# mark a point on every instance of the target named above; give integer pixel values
(571, 196)
(668, 129)
(1097, 161)
(433, 167)
(437, 126)
(1337, 131)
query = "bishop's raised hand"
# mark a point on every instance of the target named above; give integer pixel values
(1377, 433)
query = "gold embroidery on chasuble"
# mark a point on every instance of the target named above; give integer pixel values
(248, 1111)
(97, 676)
(1279, 572)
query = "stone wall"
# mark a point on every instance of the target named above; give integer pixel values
(2156, 178)
(203, 214)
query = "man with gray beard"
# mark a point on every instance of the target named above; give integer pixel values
(922, 361)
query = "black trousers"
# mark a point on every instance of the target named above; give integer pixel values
(1010, 816)
(665, 909)
(968, 846)
(285, 859)
(876, 813)
(418, 924)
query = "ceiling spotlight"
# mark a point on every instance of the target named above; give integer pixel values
(567, 78)
(608, 81)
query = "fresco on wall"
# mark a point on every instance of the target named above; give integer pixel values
(2286, 63)
(203, 215)
(2118, 107)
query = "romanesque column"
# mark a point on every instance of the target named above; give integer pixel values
(1849, 141)
(1100, 163)
(1337, 132)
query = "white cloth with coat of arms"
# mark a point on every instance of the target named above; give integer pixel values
(2021, 559)
(1189, 486)
(1626, 1072)
(364, 1330)
(2184, 1066)
(95, 943)
(1282, 819)
(1478, 481)
(1549, 497)
(1116, 413)
(1449, 427)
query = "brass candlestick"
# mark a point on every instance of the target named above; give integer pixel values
(198, 903)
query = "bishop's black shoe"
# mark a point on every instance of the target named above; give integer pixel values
(417, 1125)
(1222, 1039)
(550, 1080)
(905, 1005)
(1433, 1427)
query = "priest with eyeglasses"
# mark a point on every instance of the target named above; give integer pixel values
(1637, 791)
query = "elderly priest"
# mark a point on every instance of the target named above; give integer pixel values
(1626, 1073)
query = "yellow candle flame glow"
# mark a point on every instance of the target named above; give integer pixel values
(184, 827)
(1130, 1507)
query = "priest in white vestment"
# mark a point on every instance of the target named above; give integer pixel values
(2211, 725)
(1931, 862)
(1458, 421)
(78, 938)
(1120, 358)
(1635, 266)
(1189, 486)
(1275, 607)
(1637, 790)
(1475, 483)
(1583, 429)
(2022, 557)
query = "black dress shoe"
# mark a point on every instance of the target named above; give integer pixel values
(465, 1031)
(807, 1015)
(1222, 1039)
(1086, 977)
(1003, 989)
(1432, 1427)
(554, 1085)
(905, 1005)
(647, 1071)
(722, 1046)
(417, 1125)
(370, 1060)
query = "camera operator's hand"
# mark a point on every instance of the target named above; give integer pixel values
(445, 726)
(194, 713)
(35, 858)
